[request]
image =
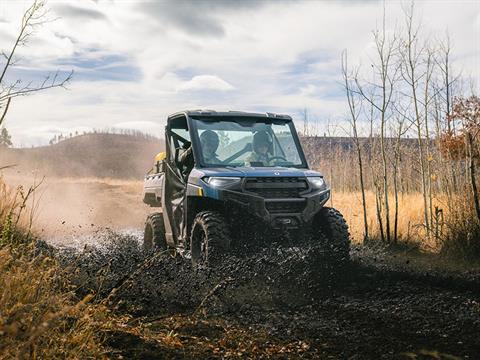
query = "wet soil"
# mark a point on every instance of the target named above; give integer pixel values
(280, 303)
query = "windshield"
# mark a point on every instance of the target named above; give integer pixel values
(247, 142)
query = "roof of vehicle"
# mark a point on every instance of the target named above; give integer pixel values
(236, 114)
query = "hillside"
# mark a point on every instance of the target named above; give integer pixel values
(90, 155)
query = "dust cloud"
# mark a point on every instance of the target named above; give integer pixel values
(70, 211)
(89, 184)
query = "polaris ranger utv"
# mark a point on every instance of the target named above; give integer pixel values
(235, 179)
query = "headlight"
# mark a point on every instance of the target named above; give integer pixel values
(216, 181)
(317, 182)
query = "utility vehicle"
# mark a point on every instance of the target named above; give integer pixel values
(232, 180)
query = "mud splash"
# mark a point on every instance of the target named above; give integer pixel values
(143, 283)
(283, 296)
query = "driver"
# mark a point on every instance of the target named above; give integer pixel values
(210, 141)
(262, 146)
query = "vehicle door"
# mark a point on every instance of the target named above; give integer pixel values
(177, 143)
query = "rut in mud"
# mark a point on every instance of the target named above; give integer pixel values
(361, 311)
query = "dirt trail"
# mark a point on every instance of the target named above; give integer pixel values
(281, 303)
(278, 303)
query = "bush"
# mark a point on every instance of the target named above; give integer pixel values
(462, 235)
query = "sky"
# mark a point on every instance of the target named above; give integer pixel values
(135, 62)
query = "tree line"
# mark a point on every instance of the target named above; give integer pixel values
(410, 89)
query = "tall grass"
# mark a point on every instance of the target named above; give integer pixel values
(456, 231)
(410, 227)
(462, 236)
(39, 314)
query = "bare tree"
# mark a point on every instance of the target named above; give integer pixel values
(386, 68)
(412, 56)
(354, 105)
(34, 17)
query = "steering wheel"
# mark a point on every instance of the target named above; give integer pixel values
(277, 158)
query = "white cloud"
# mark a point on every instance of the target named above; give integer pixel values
(308, 90)
(205, 82)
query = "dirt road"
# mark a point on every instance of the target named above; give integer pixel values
(279, 303)
(284, 303)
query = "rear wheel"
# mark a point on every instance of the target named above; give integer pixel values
(154, 236)
(209, 238)
(331, 229)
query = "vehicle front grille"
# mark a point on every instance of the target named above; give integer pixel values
(285, 206)
(276, 187)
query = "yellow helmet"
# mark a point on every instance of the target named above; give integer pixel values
(160, 157)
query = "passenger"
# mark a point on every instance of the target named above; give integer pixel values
(209, 141)
(262, 146)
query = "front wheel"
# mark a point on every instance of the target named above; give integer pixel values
(333, 230)
(154, 235)
(209, 238)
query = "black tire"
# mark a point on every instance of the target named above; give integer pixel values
(154, 235)
(209, 239)
(334, 236)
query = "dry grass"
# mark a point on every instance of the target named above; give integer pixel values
(458, 232)
(462, 236)
(39, 318)
(410, 215)
(39, 315)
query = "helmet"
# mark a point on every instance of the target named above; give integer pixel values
(211, 138)
(262, 138)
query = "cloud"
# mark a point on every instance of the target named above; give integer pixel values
(197, 17)
(205, 82)
(308, 90)
(80, 13)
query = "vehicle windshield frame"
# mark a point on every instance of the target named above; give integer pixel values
(192, 121)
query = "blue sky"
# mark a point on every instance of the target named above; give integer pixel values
(135, 62)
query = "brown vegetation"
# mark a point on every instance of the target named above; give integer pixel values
(39, 314)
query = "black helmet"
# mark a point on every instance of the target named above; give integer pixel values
(262, 138)
(210, 137)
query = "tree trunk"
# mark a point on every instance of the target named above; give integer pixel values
(473, 180)
(362, 186)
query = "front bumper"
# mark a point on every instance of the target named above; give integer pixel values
(287, 213)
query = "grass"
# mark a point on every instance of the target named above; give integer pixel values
(39, 315)
(410, 216)
(458, 235)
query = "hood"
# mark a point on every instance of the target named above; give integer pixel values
(258, 172)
